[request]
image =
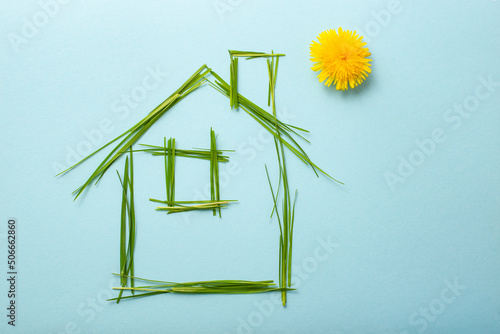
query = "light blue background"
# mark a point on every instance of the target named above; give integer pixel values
(398, 249)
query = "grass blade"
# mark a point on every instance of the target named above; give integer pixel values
(129, 137)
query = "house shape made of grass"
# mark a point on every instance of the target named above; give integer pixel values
(285, 137)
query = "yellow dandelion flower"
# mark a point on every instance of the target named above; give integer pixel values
(341, 57)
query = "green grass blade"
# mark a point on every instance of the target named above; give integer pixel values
(134, 133)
